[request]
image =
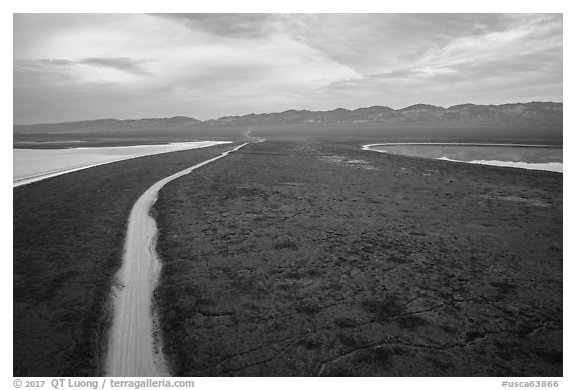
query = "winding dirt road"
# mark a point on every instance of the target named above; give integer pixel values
(131, 347)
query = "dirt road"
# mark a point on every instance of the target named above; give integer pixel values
(31, 165)
(131, 348)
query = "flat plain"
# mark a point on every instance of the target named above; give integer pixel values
(304, 257)
(68, 242)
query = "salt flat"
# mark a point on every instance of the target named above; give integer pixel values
(535, 157)
(131, 348)
(32, 165)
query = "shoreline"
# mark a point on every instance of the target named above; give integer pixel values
(68, 341)
(17, 182)
(306, 257)
(552, 166)
(368, 146)
(133, 349)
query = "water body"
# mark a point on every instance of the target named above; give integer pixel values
(132, 351)
(538, 157)
(32, 165)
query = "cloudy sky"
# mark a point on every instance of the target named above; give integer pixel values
(88, 66)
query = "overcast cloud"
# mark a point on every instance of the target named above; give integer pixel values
(89, 66)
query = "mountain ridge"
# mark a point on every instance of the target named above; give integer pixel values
(422, 115)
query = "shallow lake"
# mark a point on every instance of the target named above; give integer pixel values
(37, 164)
(547, 158)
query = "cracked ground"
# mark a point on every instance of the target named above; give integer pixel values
(315, 258)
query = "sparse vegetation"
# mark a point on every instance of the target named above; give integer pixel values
(283, 260)
(68, 241)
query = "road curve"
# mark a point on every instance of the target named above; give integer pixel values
(131, 348)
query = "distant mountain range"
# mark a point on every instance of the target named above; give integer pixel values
(106, 125)
(535, 114)
(418, 114)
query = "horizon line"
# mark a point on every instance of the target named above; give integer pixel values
(280, 112)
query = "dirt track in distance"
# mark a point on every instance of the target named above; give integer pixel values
(131, 350)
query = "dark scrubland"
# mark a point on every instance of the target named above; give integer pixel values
(353, 133)
(68, 242)
(304, 257)
(374, 133)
